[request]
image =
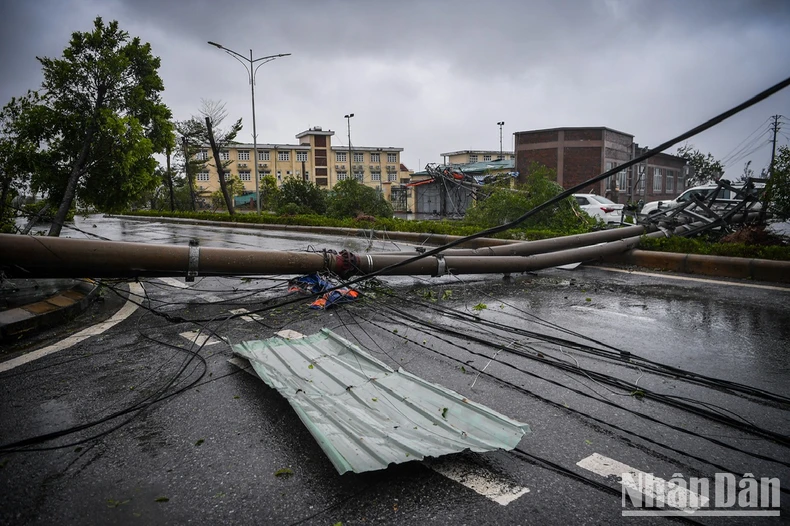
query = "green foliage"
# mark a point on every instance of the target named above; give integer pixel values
(350, 198)
(686, 245)
(306, 196)
(93, 127)
(779, 184)
(704, 168)
(270, 194)
(504, 204)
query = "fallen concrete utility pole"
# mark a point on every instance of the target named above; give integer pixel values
(529, 248)
(37, 257)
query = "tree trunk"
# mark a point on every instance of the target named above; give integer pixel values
(4, 197)
(71, 188)
(170, 180)
(78, 170)
(220, 170)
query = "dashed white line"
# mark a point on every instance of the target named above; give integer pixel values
(613, 313)
(136, 293)
(643, 486)
(199, 339)
(173, 282)
(478, 479)
(251, 317)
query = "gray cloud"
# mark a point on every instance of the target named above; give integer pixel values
(433, 76)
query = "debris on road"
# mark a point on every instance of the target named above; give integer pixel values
(364, 414)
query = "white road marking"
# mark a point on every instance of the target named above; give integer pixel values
(289, 334)
(701, 280)
(173, 282)
(653, 489)
(136, 293)
(613, 313)
(251, 317)
(199, 339)
(478, 479)
(211, 298)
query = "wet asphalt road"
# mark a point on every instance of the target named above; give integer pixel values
(209, 453)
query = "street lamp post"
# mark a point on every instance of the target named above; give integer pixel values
(501, 155)
(248, 64)
(348, 119)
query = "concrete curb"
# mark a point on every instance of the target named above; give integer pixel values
(721, 266)
(16, 322)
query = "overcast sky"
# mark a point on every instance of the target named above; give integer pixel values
(435, 76)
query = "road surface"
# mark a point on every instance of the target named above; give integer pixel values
(180, 434)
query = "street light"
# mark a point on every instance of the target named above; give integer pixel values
(348, 119)
(500, 123)
(248, 64)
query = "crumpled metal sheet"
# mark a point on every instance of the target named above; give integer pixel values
(364, 414)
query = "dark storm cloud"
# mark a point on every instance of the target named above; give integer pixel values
(433, 76)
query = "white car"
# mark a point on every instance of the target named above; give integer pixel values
(722, 199)
(600, 207)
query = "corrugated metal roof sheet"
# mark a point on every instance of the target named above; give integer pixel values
(364, 414)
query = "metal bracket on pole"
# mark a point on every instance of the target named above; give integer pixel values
(194, 259)
(665, 231)
(441, 266)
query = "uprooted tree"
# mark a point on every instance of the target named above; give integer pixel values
(93, 127)
(207, 129)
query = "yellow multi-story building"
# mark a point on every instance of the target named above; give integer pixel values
(475, 156)
(314, 159)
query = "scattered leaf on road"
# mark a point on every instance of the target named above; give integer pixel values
(283, 472)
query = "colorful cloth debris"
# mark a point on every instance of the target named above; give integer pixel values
(336, 297)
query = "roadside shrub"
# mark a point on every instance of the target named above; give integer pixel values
(350, 198)
(304, 194)
(505, 204)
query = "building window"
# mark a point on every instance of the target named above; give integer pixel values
(203, 177)
(202, 155)
(392, 157)
(486, 158)
(375, 157)
(360, 177)
(658, 183)
(224, 155)
(263, 156)
(473, 158)
(622, 180)
(283, 156)
(670, 181)
(392, 177)
(245, 176)
(375, 176)
(244, 155)
(301, 157)
(342, 176)
(359, 157)
(340, 157)
(261, 175)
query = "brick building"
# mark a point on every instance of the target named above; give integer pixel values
(578, 154)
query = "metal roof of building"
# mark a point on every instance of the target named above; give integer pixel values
(364, 414)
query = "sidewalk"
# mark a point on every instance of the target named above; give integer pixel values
(32, 304)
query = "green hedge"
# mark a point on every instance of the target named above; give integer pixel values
(389, 224)
(687, 245)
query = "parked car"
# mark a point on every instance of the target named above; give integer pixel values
(724, 198)
(600, 207)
